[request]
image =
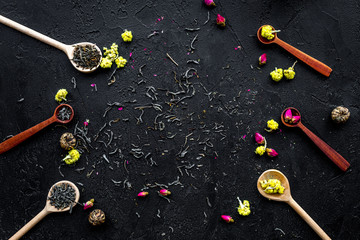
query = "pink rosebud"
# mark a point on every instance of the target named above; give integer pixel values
(288, 115)
(164, 192)
(86, 123)
(220, 20)
(227, 218)
(259, 138)
(262, 59)
(209, 3)
(295, 119)
(89, 204)
(271, 152)
(143, 194)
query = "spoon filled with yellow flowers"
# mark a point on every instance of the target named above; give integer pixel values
(273, 185)
(84, 56)
(267, 34)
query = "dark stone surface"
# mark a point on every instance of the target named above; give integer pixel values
(240, 100)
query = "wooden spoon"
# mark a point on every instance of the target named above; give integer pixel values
(312, 62)
(48, 209)
(68, 49)
(329, 151)
(286, 197)
(17, 139)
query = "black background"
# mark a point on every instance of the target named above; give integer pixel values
(233, 98)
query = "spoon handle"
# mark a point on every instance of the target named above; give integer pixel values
(308, 219)
(312, 62)
(329, 151)
(30, 225)
(32, 33)
(17, 139)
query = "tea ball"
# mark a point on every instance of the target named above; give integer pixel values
(67, 141)
(97, 217)
(340, 114)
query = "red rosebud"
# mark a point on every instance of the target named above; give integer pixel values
(259, 138)
(271, 152)
(227, 218)
(164, 192)
(209, 3)
(220, 20)
(262, 59)
(143, 194)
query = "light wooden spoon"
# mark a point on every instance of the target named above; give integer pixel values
(48, 209)
(68, 49)
(286, 197)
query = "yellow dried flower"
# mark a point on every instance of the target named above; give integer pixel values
(61, 95)
(72, 157)
(272, 186)
(260, 150)
(272, 125)
(244, 207)
(120, 62)
(266, 32)
(127, 36)
(105, 63)
(277, 74)
(290, 73)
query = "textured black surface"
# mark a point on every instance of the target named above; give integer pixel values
(238, 99)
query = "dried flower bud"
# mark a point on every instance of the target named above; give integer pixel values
(143, 194)
(96, 217)
(271, 152)
(164, 192)
(340, 114)
(89, 204)
(67, 141)
(227, 218)
(220, 20)
(259, 138)
(290, 118)
(262, 59)
(272, 125)
(209, 3)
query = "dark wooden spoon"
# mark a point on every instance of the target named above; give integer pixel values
(312, 62)
(329, 151)
(19, 138)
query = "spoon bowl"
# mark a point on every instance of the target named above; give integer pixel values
(51, 208)
(57, 110)
(294, 112)
(70, 49)
(327, 150)
(264, 40)
(286, 197)
(47, 209)
(275, 174)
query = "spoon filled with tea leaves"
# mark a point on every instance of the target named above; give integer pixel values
(84, 56)
(62, 197)
(286, 197)
(291, 117)
(64, 113)
(312, 62)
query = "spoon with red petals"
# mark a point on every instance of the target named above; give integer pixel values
(312, 62)
(329, 151)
